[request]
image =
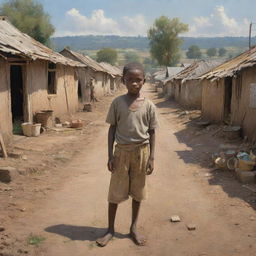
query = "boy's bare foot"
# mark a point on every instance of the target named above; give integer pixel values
(137, 238)
(103, 241)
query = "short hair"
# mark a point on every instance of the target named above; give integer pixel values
(133, 66)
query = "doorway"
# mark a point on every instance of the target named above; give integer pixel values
(79, 91)
(228, 99)
(17, 99)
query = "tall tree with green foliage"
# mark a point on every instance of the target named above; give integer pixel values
(194, 52)
(29, 17)
(211, 52)
(108, 55)
(164, 41)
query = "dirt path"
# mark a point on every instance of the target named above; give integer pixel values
(74, 215)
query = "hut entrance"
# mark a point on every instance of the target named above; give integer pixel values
(228, 99)
(16, 81)
(112, 84)
(79, 91)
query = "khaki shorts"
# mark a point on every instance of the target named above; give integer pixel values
(129, 175)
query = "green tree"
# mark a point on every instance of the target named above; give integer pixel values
(194, 52)
(29, 17)
(131, 56)
(108, 55)
(211, 52)
(164, 41)
(222, 52)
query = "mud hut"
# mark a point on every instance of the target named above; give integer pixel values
(168, 87)
(229, 93)
(187, 89)
(113, 77)
(92, 70)
(32, 78)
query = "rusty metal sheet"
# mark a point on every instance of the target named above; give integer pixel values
(15, 42)
(231, 67)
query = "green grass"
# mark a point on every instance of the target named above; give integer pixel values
(35, 239)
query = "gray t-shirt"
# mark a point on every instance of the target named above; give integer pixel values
(132, 126)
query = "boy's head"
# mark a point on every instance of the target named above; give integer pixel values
(133, 77)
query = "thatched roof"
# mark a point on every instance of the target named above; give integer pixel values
(233, 66)
(14, 42)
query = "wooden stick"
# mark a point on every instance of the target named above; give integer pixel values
(2, 145)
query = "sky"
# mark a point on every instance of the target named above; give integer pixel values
(134, 17)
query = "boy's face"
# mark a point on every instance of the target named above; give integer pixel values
(134, 80)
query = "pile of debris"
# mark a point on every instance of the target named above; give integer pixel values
(243, 163)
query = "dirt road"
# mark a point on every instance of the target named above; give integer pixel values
(75, 214)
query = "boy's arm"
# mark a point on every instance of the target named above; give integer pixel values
(152, 140)
(111, 140)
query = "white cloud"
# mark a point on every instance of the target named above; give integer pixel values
(98, 24)
(218, 24)
(135, 24)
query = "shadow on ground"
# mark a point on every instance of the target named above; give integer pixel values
(80, 233)
(202, 143)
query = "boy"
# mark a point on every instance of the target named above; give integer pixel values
(132, 120)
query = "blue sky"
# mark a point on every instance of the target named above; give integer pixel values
(134, 17)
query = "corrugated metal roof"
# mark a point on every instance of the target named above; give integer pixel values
(196, 69)
(86, 60)
(15, 42)
(174, 70)
(231, 67)
(160, 75)
(115, 71)
(171, 72)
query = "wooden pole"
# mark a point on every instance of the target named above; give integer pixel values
(250, 35)
(2, 145)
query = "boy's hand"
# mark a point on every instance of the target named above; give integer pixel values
(150, 166)
(111, 164)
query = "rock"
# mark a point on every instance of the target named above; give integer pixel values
(22, 171)
(2, 229)
(87, 107)
(175, 218)
(7, 174)
(246, 177)
(24, 157)
(191, 227)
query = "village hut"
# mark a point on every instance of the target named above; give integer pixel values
(92, 70)
(168, 87)
(229, 93)
(187, 89)
(114, 76)
(32, 78)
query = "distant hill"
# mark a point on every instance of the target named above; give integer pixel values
(97, 42)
